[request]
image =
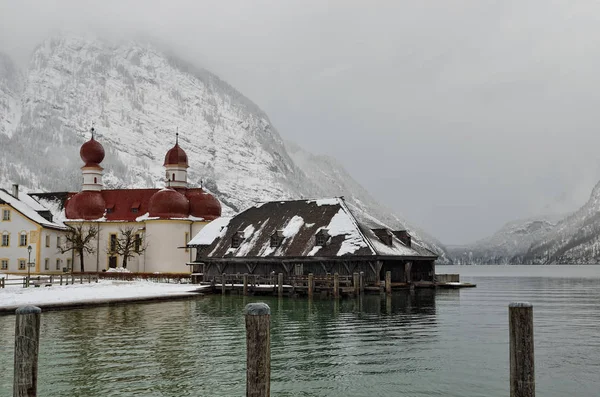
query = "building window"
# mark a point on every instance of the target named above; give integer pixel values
(57, 241)
(298, 269)
(173, 177)
(186, 239)
(22, 263)
(112, 247)
(322, 237)
(4, 264)
(47, 240)
(58, 264)
(5, 239)
(69, 264)
(237, 239)
(276, 238)
(6, 215)
(137, 244)
(46, 264)
(95, 180)
(22, 239)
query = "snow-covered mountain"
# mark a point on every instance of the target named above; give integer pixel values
(571, 239)
(138, 97)
(574, 240)
(507, 244)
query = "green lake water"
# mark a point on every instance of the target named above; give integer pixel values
(428, 343)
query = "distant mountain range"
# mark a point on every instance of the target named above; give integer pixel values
(137, 96)
(567, 239)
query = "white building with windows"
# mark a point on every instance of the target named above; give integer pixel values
(24, 223)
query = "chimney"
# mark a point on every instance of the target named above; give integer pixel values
(15, 190)
(404, 237)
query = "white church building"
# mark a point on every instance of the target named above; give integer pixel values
(162, 220)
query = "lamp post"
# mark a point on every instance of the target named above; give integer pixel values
(28, 263)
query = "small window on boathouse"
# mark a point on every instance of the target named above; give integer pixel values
(277, 238)
(237, 239)
(322, 237)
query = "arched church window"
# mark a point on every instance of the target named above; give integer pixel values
(173, 177)
(95, 180)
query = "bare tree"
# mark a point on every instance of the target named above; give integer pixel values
(79, 238)
(129, 244)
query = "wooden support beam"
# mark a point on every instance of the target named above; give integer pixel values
(245, 284)
(311, 284)
(356, 283)
(223, 284)
(280, 285)
(388, 282)
(362, 282)
(336, 285)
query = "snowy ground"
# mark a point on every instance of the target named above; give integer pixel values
(104, 291)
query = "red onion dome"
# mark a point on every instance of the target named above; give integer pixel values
(168, 203)
(92, 152)
(86, 205)
(176, 156)
(203, 205)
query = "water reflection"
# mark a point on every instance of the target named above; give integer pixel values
(415, 344)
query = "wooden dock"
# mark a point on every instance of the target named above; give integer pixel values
(329, 285)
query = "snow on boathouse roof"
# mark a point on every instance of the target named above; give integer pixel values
(29, 208)
(293, 225)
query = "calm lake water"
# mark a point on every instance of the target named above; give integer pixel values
(450, 343)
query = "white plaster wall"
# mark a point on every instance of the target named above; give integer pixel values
(163, 238)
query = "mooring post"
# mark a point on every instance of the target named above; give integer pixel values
(388, 282)
(72, 279)
(362, 282)
(27, 340)
(258, 356)
(223, 286)
(245, 284)
(311, 284)
(336, 285)
(355, 282)
(522, 365)
(280, 284)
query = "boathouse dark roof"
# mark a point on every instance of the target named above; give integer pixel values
(289, 229)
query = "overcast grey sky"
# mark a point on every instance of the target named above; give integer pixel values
(459, 114)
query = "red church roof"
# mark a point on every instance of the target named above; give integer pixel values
(129, 204)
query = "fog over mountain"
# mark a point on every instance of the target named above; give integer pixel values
(461, 115)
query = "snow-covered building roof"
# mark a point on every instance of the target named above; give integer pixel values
(30, 208)
(324, 228)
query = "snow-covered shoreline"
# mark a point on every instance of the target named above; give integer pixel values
(103, 292)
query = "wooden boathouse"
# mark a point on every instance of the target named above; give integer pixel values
(317, 237)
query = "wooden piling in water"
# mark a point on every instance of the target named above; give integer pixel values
(355, 283)
(522, 363)
(27, 341)
(223, 286)
(336, 285)
(258, 356)
(388, 282)
(280, 284)
(245, 290)
(311, 284)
